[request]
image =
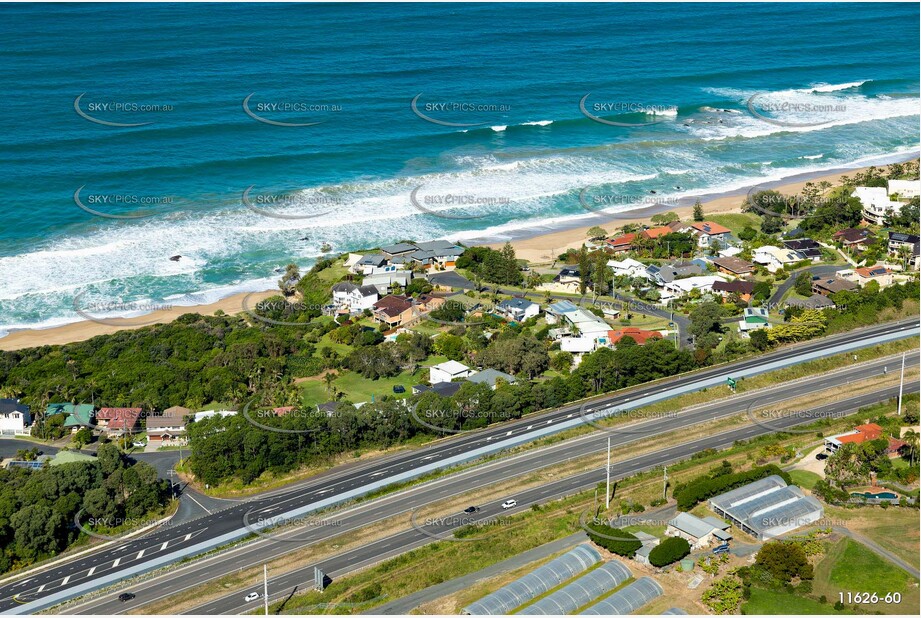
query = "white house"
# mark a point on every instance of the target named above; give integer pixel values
(628, 267)
(353, 298)
(709, 232)
(775, 258)
(448, 371)
(876, 201)
(14, 417)
(200, 416)
(518, 309)
(384, 280)
(704, 283)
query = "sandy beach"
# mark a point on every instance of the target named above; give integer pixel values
(539, 248)
(546, 247)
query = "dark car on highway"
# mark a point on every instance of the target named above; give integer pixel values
(125, 596)
(472, 509)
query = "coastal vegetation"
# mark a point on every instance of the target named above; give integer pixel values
(38, 507)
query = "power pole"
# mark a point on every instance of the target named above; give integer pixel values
(901, 383)
(665, 482)
(607, 492)
(265, 590)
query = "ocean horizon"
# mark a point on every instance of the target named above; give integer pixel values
(245, 137)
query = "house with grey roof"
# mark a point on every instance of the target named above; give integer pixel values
(699, 532)
(490, 377)
(518, 309)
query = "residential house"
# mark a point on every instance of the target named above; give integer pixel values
(118, 421)
(730, 251)
(368, 263)
(754, 318)
(394, 310)
(557, 312)
(709, 232)
(398, 249)
(518, 309)
(354, 298)
(578, 345)
(469, 304)
(680, 287)
(448, 372)
(621, 243)
(858, 238)
(734, 266)
(628, 267)
(443, 253)
(655, 233)
(569, 277)
(429, 302)
(167, 428)
(744, 289)
(862, 276)
(663, 275)
(491, 377)
(699, 532)
(385, 280)
(775, 258)
(861, 434)
(878, 202)
(78, 415)
(832, 285)
(905, 245)
(14, 417)
(450, 280)
(638, 335)
(905, 189)
(816, 301)
(806, 247)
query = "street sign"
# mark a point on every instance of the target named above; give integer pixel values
(731, 382)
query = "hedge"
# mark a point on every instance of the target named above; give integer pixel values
(668, 551)
(698, 490)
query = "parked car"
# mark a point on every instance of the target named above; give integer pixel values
(125, 596)
(139, 444)
(508, 504)
(721, 549)
(821, 456)
(399, 388)
(252, 596)
(472, 509)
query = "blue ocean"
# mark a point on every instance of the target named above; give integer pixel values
(245, 137)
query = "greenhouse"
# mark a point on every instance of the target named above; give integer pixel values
(582, 591)
(767, 508)
(628, 600)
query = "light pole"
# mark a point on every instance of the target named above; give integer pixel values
(901, 383)
(265, 589)
(607, 491)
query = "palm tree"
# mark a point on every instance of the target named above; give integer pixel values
(328, 378)
(911, 440)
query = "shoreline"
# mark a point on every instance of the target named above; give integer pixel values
(535, 245)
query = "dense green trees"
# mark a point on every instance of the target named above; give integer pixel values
(668, 551)
(689, 495)
(784, 560)
(499, 267)
(614, 540)
(38, 507)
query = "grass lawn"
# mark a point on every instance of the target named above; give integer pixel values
(782, 603)
(358, 388)
(849, 566)
(737, 221)
(804, 478)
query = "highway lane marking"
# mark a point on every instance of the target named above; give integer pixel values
(66, 579)
(140, 554)
(91, 571)
(42, 587)
(162, 547)
(187, 537)
(115, 564)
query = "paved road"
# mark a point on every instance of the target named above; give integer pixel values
(825, 270)
(479, 477)
(170, 543)
(287, 584)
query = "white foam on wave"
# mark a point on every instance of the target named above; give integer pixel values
(818, 156)
(537, 123)
(499, 128)
(834, 87)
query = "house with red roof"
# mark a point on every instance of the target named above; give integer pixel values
(118, 421)
(656, 232)
(621, 243)
(639, 335)
(861, 434)
(709, 231)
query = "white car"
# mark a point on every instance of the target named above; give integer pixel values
(252, 596)
(508, 504)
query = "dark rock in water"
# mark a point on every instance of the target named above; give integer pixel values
(176, 258)
(278, 270)
(305, 238)
(652, 191)
(677, 187)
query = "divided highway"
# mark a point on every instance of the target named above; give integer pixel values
(173, 543)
